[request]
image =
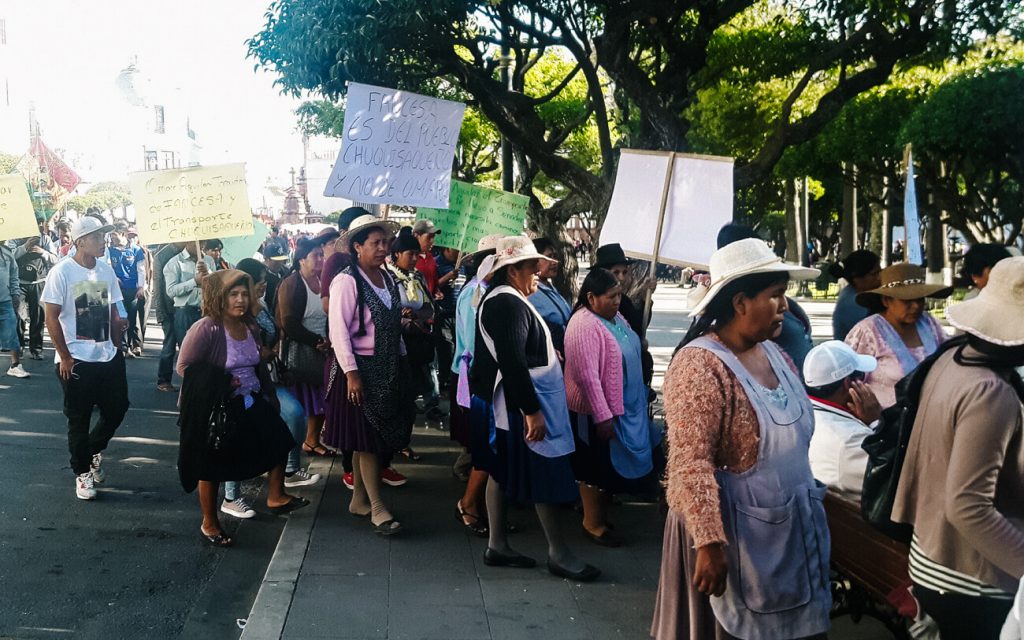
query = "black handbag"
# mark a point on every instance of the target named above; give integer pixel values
(304, 363)
(222, 426)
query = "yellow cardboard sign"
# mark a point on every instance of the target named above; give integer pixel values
(17, 219)
(198, 203)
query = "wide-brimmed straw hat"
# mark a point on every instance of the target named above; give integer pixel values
(743, 258)
(514, 249)
(365, 222)
(485, 247)
(903, 281)
(995, 314)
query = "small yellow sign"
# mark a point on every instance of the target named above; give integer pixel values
(17, 219)
(198, 203)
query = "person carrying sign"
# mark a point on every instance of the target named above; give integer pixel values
(80, 297)
(10, 293)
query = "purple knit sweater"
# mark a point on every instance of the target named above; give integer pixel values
(593, 367)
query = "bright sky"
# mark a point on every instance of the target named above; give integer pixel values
(65, 55)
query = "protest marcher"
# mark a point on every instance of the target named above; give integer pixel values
(795, 338)
(517, 383)
(341, 258)
(862, 271)
(300, 314)
(34, 263)
(899, 332)
(977, 264)
(448, 262)
(163, 304)
(10, 301)
(221, 361)
(845, 410)
(367, 389)
(615, 438)
(547, 300)
(183, 278)
(142, 304)
(276, 262)
(276, 239)
(425, 233)
(129, 264)
(84, 325)
(470, 508)
(613, 258)
(213, 248)
(741, 495)
(328, 237)
(417, 318)
(962, 482)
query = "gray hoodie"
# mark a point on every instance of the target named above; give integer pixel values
(10, 286)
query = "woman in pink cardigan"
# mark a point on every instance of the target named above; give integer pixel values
(616, 443)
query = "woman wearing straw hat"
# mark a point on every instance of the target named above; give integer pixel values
(367, 390)
(746, 525)
(899, 333)
(962, 483)
(517, 382)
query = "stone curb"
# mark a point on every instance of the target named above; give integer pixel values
(274, 599)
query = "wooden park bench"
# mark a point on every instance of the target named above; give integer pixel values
(869, 564)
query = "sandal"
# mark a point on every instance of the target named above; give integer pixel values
(293, 504)
(476, 525)
(410, 454)
(387, 528)
(220, 539)
(318, 450)
(166, 386)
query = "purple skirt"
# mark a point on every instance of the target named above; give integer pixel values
(459, 428)
(345, 424)
(311, 398)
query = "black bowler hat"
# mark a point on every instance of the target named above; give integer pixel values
(610, 255)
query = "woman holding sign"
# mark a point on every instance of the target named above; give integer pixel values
(519, 398)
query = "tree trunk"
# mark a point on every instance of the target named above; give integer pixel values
(848, 230)
(794, 217)
(887, 203)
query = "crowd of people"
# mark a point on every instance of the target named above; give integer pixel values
(330, 345)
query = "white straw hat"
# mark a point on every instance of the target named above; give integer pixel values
(995, 314)
(743, 258)
(832, 361)
(363, 222)
(487, 245)
(513, 249)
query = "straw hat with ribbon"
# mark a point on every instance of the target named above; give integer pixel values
(514, 249)
(743, 258)
(995, 314)
(368, 221)
(903, 281)
(485, 247)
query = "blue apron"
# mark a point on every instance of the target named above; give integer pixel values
(547, 382)
(778, 539)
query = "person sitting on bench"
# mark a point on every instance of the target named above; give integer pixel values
(845, 410)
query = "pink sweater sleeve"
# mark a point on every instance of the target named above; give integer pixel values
(584, 353)
(342, 309)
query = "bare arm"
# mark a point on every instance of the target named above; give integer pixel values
(57, 337)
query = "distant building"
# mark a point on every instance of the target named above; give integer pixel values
(319, 154)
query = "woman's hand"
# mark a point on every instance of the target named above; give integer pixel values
(323, 345)
(267, 354)
(605, 430)
(355, 387)
(536, 428)
(710, 570)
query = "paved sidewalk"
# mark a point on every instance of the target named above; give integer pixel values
(332, 577)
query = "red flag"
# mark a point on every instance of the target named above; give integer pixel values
(49, 177)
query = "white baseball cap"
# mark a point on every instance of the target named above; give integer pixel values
(86, 225)
(833, 361)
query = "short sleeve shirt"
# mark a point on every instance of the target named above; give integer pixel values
(85, 297)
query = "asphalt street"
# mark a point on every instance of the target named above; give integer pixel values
(130, 564)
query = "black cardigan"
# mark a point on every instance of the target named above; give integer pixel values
(521, 344)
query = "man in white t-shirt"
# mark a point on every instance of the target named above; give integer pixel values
(81, 295)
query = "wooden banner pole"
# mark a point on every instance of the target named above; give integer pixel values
(666, 186)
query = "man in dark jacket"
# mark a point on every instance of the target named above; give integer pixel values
(164, 306)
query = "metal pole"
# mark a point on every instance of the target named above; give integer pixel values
(507, 162)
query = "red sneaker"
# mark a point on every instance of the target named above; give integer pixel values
(391, 477)
(347, 479)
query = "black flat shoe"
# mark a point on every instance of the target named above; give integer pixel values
(292, 505)
(587, 574)
(606, 539)
(516, 560)
(387, 528)
(218, 539)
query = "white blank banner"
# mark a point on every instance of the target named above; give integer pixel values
(636, 202)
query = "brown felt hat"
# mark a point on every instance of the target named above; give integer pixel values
(904, 281)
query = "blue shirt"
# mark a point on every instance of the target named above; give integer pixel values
(846, 313)
(125, 262)
(554, 309)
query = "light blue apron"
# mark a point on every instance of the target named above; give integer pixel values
(778, 539)
(547, 382)
(635, 434)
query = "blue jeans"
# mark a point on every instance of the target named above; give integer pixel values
(295, 417)
(165, 368)
(9, 328)
(184, 318)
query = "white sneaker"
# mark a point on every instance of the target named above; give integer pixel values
(98, 476)
(83, 486)
(238, 508)
(18, 371)
(301, 478)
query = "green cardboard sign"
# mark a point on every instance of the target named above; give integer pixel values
(474, 212)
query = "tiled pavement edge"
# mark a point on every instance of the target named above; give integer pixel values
(331, 577)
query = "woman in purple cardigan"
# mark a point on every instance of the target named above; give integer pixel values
(220, 357)
(616, 442)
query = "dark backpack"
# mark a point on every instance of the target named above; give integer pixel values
(887, 449)
(32, 267)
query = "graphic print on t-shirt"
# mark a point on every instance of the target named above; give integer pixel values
(92, 310)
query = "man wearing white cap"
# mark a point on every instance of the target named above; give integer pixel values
(81, 315)
(845, 410)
